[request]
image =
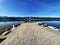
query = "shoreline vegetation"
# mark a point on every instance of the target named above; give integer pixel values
(29, 18)
(5, 28)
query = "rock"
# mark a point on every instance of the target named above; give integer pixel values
(6, 32)
(39, 23)
(51, 27)
(1, 39)
(45, 25)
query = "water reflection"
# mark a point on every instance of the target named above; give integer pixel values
(9, 23)
(50, 23)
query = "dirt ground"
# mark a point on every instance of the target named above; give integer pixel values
(32, 34)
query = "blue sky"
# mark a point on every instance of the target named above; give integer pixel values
(41, 8)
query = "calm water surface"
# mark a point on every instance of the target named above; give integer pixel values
(9, 23)
(50, 23)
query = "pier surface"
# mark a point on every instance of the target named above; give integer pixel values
(32, 34)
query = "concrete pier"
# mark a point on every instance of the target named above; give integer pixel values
(32, 34)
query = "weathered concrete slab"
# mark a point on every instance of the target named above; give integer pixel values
(32, 34)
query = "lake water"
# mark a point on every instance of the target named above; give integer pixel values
(50, 23)
(9, 23)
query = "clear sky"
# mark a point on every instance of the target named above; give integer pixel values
(41, 8)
